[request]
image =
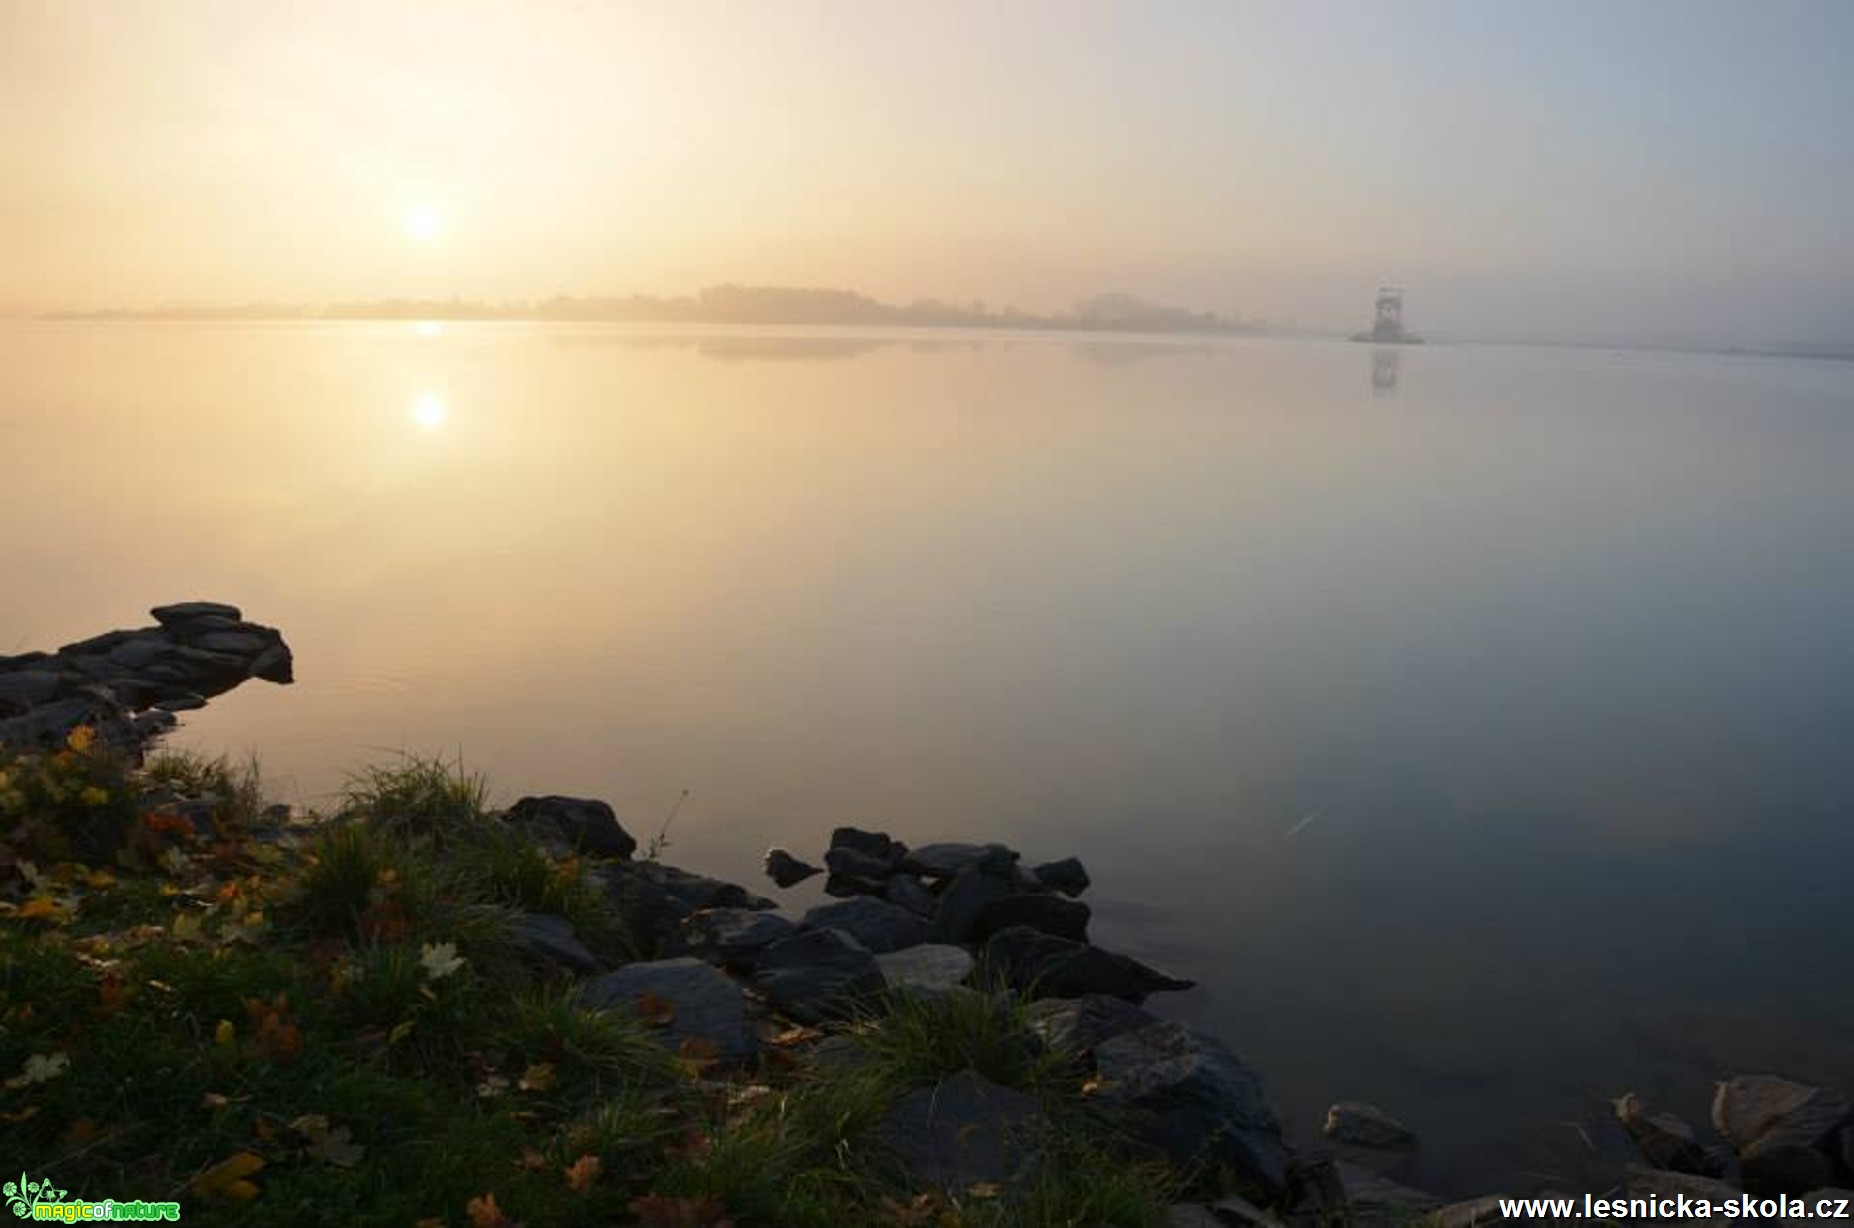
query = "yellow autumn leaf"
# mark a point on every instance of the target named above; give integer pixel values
(93, 796)
(80, 738)
(537, 1078)
(225, 1034)
(40, 908)
(400, 1031)
(227, 1178)
(582, 1173)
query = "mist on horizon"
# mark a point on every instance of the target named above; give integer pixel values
(1655, 172)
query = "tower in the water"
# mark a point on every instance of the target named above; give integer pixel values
(1387, 327)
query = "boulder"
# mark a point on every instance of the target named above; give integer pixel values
(1374, 1201)
(1645, 1182)
(875, 845)
(947, 860)
(1066, 876)
(1358, 1124)
(910, 893)
(1077, 1025)
(963, 1132)
(1196, 1101)
(733, 937)
(1784, 1132)
(688, 1000)
(858, 865)
(786, 870)
(655, 899)
(1044, 965)
(931, 967)
(956, 915)
(849, 886)
(553, 939)
(1664, 1140)
(587, 823)
(1050, 914)
(876, 924)
(817, 974)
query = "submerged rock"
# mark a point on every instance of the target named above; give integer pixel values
(1196, 1101)
(1044, 965)
(1664, 1140)
(586, 824)
(1784, 1132)
(1366, 1125)
(687, 999)
(965, 1131)
(817, 974)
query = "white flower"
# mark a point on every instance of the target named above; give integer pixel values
(440, 959)
(40, 1068)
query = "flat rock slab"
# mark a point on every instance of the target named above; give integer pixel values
(1044, 965)
(932, 966)
(732, 936)
(1196, 1101)
(963, 1132)
(1077, 1025)
(587, 824)
(817, 974)
(877, 924)
(700, 1003)
(554, 939)
(947, 859)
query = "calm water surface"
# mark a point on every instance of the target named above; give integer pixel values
(1472, 723)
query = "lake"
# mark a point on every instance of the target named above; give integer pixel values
(1472, 722)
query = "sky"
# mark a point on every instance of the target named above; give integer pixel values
(1647, 170)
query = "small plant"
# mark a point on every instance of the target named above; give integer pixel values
(660, 842)
(418, 797)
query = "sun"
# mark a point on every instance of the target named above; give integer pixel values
(429, 410)
(425, 223)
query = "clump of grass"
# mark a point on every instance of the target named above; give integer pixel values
(918, 1038)
(237, 792)
(418, 797)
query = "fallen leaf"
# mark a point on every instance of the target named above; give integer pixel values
(227, 1178)
(40, 908)
(40, 1068)
(225, 1035)
(581, 1173)
(537, 1078)
(658, 1211)
(484, 1213)
(654, 1010)
(531, 1160)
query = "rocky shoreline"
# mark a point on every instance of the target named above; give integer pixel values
(976, 923)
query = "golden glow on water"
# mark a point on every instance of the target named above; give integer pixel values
(429, 410)
(425, 223)
(429, 328)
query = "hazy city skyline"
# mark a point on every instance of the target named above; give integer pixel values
(1653, 171)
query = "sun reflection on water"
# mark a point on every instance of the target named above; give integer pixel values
(429, 410)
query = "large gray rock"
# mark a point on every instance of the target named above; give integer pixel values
(858, 866)
(688, 999)
(1664, 1140)
(1784, 1132)
(877, 924)
(655, 899)
(1049, 913)
(875, 845)
(931, 967)
(1366, 1125)
(733, 937)
(963, 901)
(1067, 876)
(586, 823)
(1645, 1182)
(1077, 1025)
(910, 893)
(964, 1132)
(553, 939)
(817, 975)
(1196, 1101)
(1044, 965)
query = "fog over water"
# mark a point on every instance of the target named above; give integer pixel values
(1470, 721)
